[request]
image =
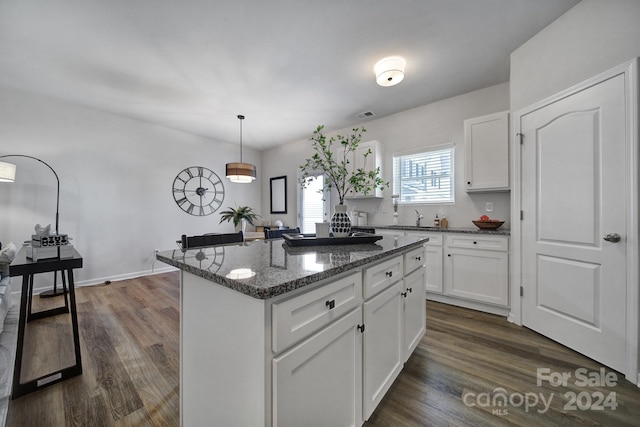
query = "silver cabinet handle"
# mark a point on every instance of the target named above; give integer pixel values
(612, 237)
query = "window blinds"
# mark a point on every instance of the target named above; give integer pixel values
(424, 177)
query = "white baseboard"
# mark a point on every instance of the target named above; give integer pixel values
(99, 280)
(487, 308)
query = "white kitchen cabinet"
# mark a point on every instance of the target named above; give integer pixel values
(383, 345)
(414, 311)
(477, 268)
(368, 163)
(296, 318)
(319, 382)
(381, 275)
(487, 152)
(433, 260)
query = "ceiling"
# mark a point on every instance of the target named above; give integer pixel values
(287, 65)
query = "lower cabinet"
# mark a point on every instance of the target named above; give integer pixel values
(433, 261)
(338, 375)
(324, 355)
(319, 382)
(383, 344)
(477, 275)
(414, 312)
(467, 269)
(477, 268)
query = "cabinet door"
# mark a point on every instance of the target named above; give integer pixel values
(319, 381)
(414, 311)
(433, 260)
(487, 152)
(383, 336)
(478, 275)
(434, 269)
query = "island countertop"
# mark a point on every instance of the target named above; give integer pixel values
(264, 269)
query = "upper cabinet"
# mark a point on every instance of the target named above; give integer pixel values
(368, 163)
(486, 141)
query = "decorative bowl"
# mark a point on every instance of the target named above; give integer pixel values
(488, 225)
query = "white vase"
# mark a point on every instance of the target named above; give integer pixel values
(242, 226)
(340, 222)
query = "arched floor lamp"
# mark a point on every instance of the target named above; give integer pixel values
(8, 174)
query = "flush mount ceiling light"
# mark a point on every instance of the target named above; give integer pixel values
(389, 71)
(241, 172)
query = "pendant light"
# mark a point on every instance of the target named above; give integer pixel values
(241, 172)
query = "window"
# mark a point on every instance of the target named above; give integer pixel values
(424, 177)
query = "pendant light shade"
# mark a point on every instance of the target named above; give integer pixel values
(241, 172)
(7, 172)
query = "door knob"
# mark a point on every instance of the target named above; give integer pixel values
(612, 237)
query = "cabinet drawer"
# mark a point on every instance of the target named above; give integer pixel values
(414, 259)
(478, 241)
(382, 275)
(435, 239)
(295, 318)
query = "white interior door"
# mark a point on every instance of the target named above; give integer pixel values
(575, 179)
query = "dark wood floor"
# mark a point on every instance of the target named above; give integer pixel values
(130, 348)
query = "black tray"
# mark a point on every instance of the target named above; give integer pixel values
(312, 240)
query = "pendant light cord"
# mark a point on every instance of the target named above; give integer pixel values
(241, 117)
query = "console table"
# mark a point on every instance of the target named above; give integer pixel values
(27, 268)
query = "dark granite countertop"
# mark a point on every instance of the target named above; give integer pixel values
(468, 230)
(274, 268)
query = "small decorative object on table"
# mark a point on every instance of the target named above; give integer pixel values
(486, 223)
(46, 246)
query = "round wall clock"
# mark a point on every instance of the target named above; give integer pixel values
(198, 191)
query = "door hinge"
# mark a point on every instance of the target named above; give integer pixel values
(521, 136)
(521, 215)
(521, 291)
(361, 327)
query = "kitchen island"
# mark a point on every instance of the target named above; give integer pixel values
(273, 335)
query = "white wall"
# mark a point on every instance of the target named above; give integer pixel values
(590, 38)
(115, 175)
(432, 124)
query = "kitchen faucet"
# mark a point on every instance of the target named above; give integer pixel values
(418, 218)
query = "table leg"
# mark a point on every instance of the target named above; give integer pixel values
(29, 306)
(20, 389)
(74, 322)
(22, 320)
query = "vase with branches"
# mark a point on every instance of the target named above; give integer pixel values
(333, 157)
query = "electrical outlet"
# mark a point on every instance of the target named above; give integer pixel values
(488, 207)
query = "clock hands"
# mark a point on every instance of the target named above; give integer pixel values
(199, 191)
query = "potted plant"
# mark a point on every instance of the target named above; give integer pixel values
(240, 217)
(332, 157)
